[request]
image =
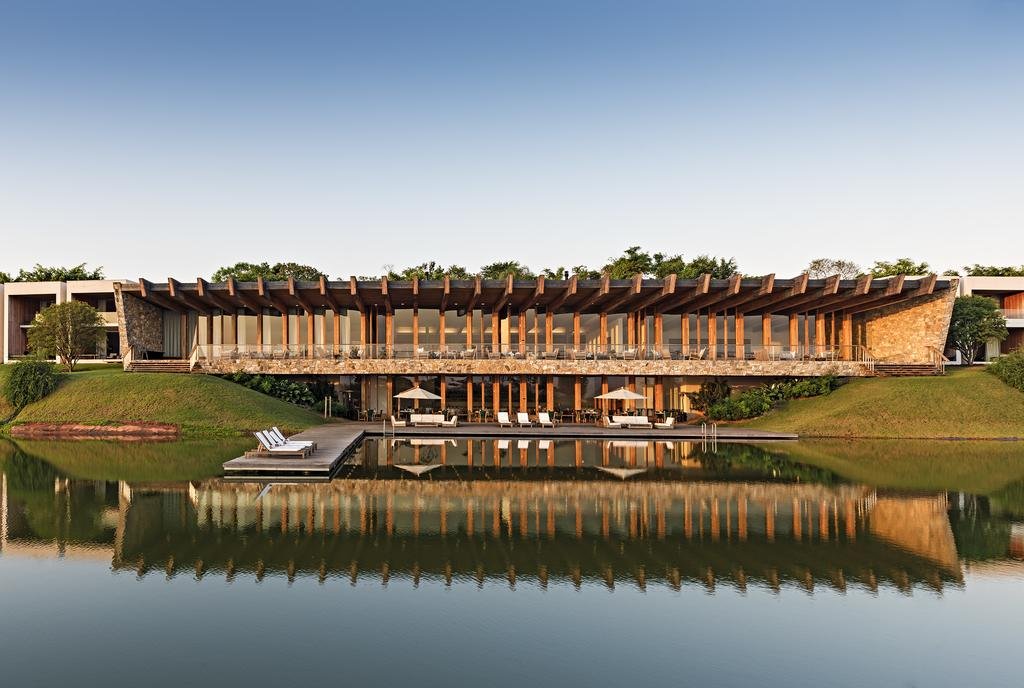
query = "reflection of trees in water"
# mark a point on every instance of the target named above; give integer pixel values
(1009, 500)
(979, 535)
(726, 458)
(26, 473)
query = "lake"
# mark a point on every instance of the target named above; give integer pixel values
(506, 562)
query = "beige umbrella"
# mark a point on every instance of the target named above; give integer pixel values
(416, 392)
(622, 394)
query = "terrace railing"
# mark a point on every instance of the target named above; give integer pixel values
(774, 352)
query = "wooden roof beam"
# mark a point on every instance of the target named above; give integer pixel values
(250, 303)
(505, 297)
(477, 291)
(739, 301)
(772, 298)
(926, 287)
(633, 291)
(560, 300)
(597, 295)
(388, 306)
(203, 291)
(446, 292)
(702, 288)
(265, 293)
(299, 298)
(147, 294)
(353, 290)
(325, 292)
(836, 301)
(177, 293)
(668, 288)
(814, 300)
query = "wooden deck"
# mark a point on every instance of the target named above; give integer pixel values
(336, 440)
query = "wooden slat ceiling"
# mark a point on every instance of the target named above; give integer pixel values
(749, 295)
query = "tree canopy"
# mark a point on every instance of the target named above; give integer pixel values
(977, 270)
(901, 266)
(429, 271)
(249, 272)
(68, 331)
(826, 267)
(976, 320)
(43, 273)
(502, 269)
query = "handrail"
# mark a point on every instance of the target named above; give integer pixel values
(937, 358)
(193, 358)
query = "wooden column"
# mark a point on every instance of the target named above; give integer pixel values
(284, 329)
(310, 333)
(469, 330)
(807, 334)
(549, 392)
(234, 327)
(549, 335)
(659, 394)
(209, 334)
(578, 393)
(604, 332)
(391, 393)
(259, 330)
(336, 320)
(794, 332)
(469, 397)
(415, 331)
(819, 332)
(712, 335)
(444, 391)
(684, 333)
(496, 394)
(440, 333)
(659, 332)
(522, 393)
(576, 334)
(846, 336)
(522, 333)
(630, 330)
(495, 331)
(741, 348)
(725, 334)
(766, 330)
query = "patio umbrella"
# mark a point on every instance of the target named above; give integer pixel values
(416, 392)
(622, 394)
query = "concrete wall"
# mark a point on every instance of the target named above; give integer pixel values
(902, 333)
(14, 313)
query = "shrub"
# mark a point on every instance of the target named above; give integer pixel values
(760, 400)
(30, 381)
(710, 393)
(298, 393)
(1010, 368)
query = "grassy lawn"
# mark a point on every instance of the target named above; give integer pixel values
(201, 405)
(965, 403)
(5, 408)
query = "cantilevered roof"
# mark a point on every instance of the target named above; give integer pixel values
(749, 295)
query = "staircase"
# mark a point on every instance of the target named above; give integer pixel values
(906, 369)
(159, 366)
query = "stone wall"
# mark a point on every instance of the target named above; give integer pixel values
(902, 333)
(141, 324)
(315, 366)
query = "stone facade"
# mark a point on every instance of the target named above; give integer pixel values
(141, 324)
(723, 368)
(903, 333)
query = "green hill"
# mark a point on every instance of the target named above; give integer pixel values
(200, 405)
(964, 404)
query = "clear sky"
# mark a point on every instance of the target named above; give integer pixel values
(169, 138)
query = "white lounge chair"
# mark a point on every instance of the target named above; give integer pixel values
(276, 433)
(272, 446)
(609, 424)
(503, 419)
(450, 423)
(633, 421)
(397, 423)
(669, 423)
(523, 419)
(544, 420)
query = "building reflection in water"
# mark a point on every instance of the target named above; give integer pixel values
(495, 512)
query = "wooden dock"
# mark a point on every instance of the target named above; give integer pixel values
(335, 441)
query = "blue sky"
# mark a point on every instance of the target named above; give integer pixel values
(170, 138)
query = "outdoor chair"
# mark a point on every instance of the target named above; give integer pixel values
(669, 423)
(274, 447)
(277, 434)
(523, 419)
(544, 420)
(608, 423)
(397, 423)
(503, 419)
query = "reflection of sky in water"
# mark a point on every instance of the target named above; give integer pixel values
(732, 568)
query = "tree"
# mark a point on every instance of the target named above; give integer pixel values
(502, 269)
(633, 261)
(68, 331)
(977, 270)
(719, 268)
(278, 272)
(429, 271)
(636, 261)
(578, 271)
(975, 321)
(42, 273)
(826, 267)
(902, 266)
(4, 277)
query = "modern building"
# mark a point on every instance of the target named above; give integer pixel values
(21, 302)
(1009, 293)
(484, 345)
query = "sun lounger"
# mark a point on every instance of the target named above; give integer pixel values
(523, 419)
(272, 446)
(633, 421)
(669, 423)
(503, 419)
(450, 423)
(397, 423)
(544, 420)
(608, 423)
(277, 434)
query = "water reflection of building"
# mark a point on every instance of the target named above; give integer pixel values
(701, 533)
